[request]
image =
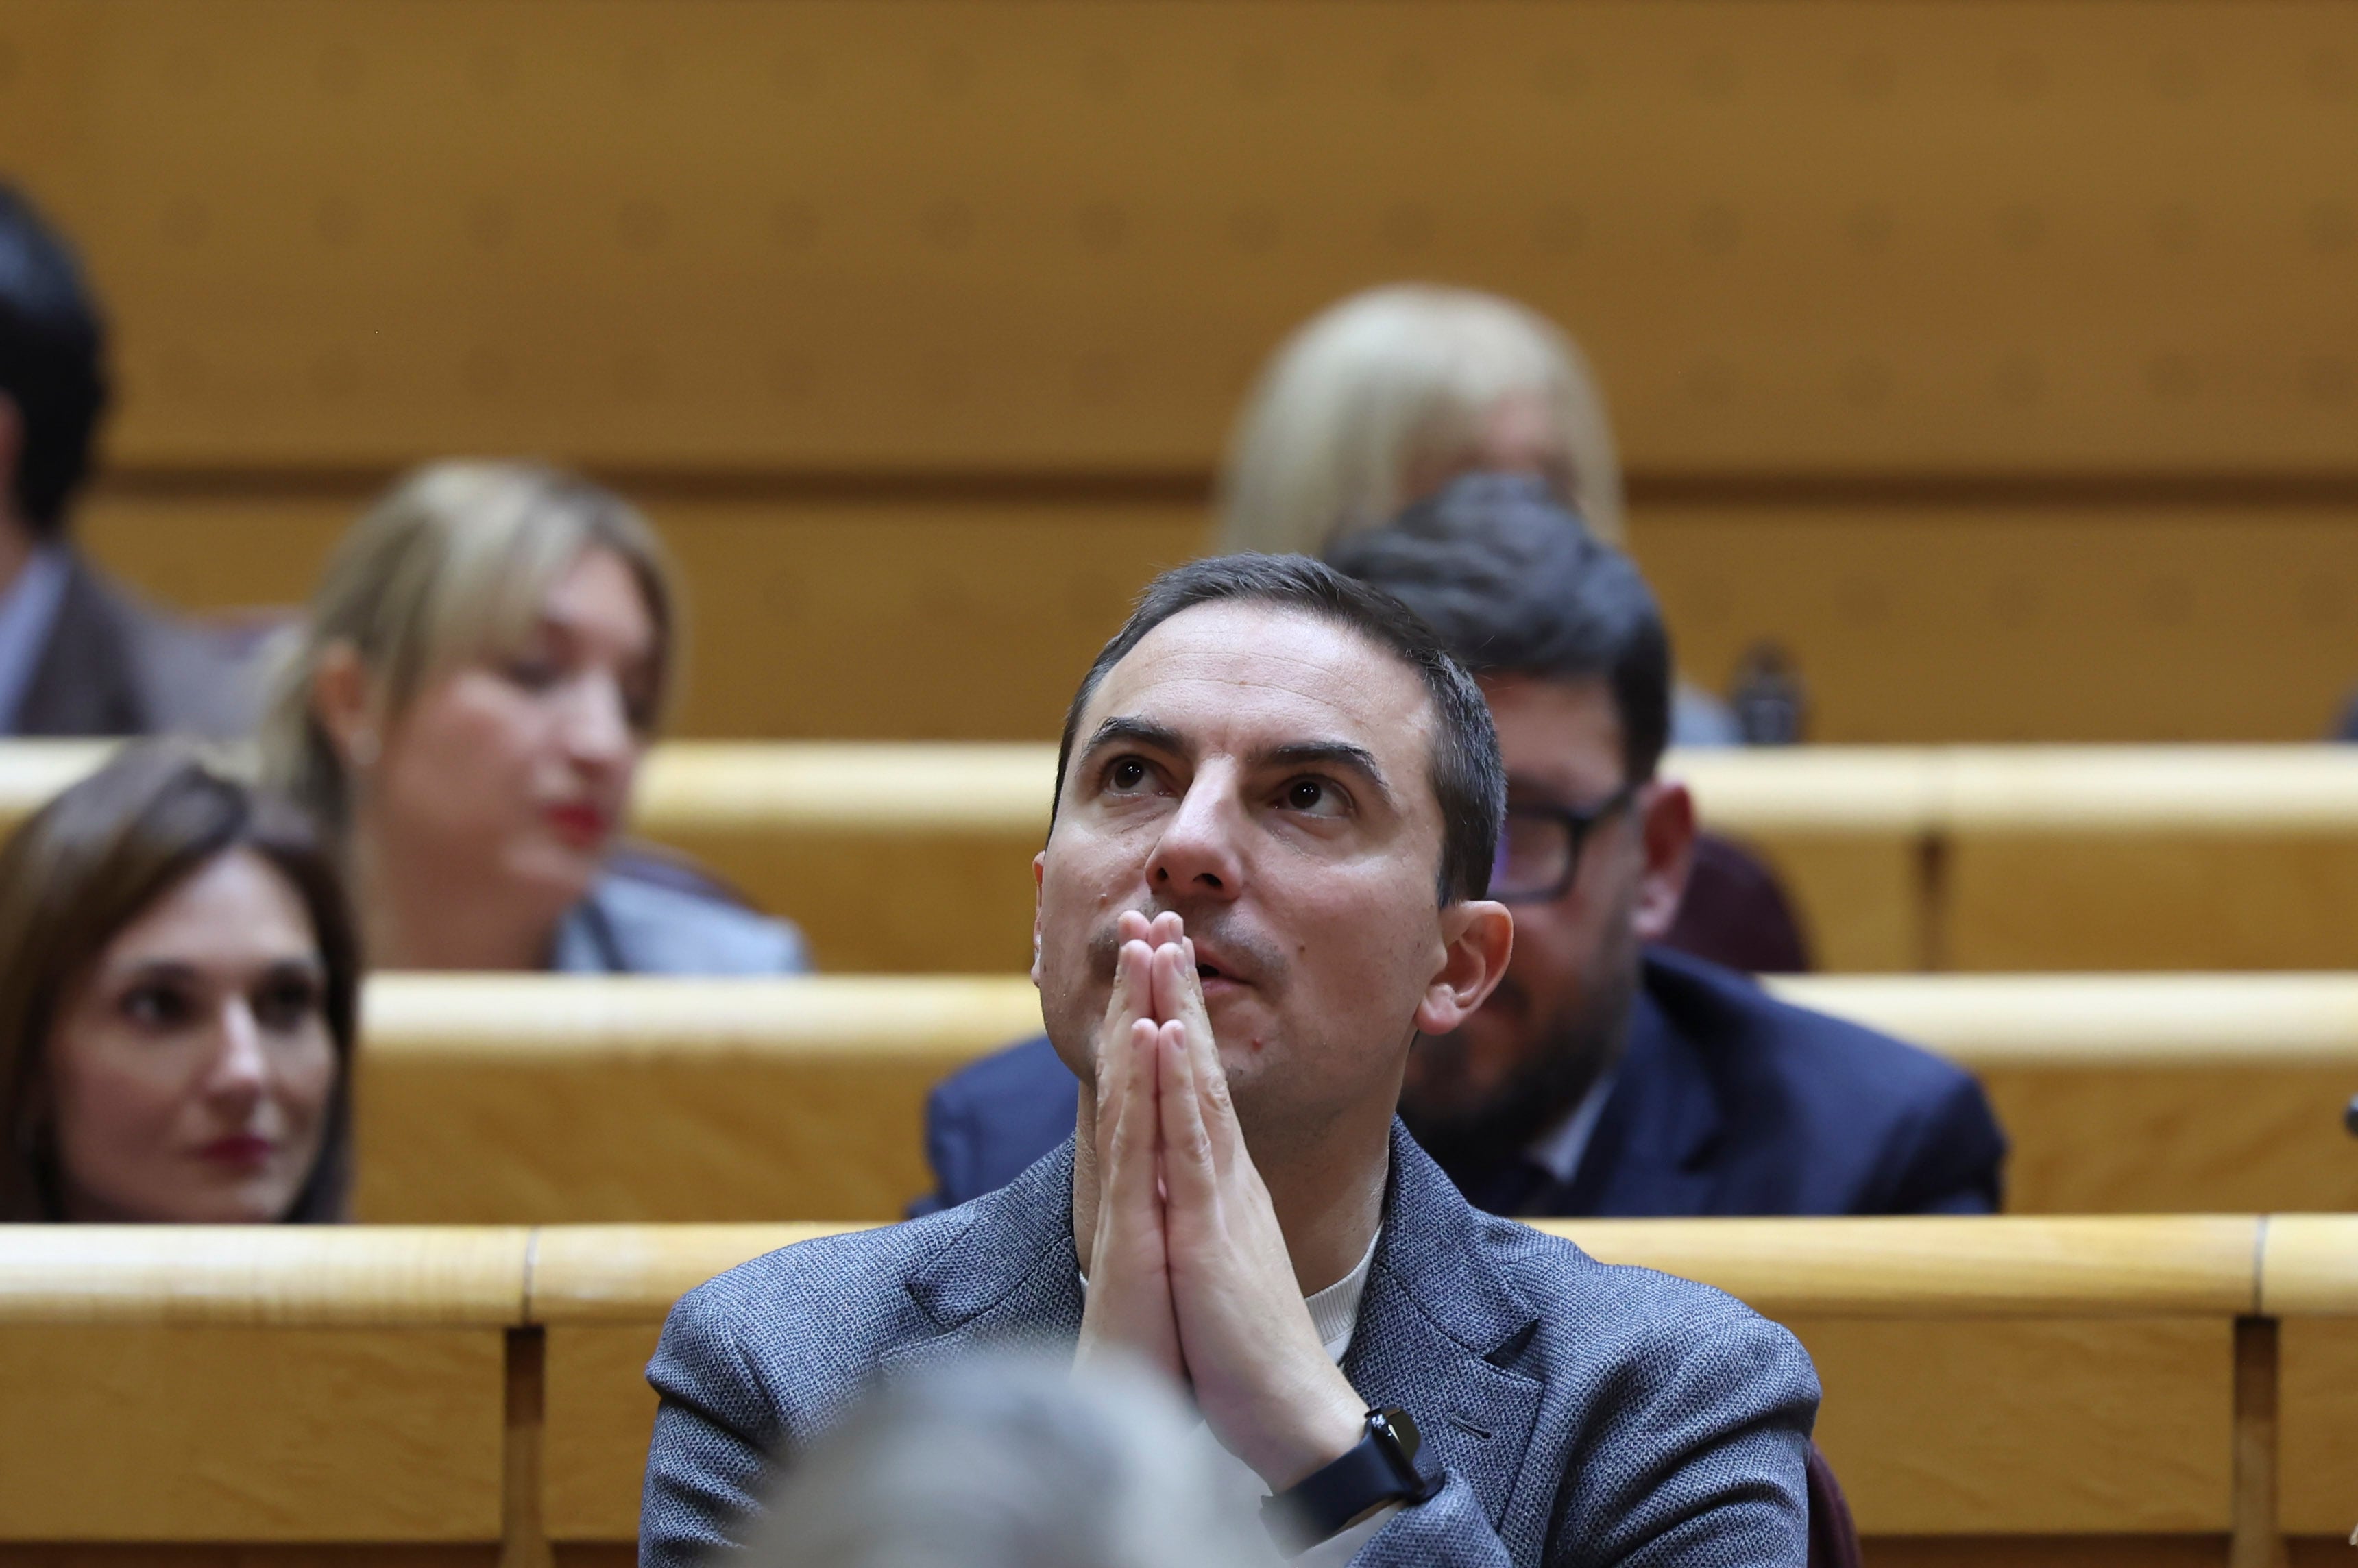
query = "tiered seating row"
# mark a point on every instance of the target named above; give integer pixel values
(531, 1099)
(2068, 1389)
(913, 858)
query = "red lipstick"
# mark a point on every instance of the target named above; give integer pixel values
(240, 1152)
(579, 823)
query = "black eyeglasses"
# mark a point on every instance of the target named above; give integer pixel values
(1539, 849)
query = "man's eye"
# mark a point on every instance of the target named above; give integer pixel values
(1125, 775)
(1315, 798)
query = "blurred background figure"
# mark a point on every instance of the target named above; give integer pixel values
(1015, 1463)
(1382, 399)
(179, 980)
(1608, 1075)
(77, 654)
(482, 668)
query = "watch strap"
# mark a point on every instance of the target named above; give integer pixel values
(1379, 1468)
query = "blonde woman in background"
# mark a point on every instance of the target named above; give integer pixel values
(483, 666)
(1382, 399)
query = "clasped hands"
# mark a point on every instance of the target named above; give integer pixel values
(1188, 1268)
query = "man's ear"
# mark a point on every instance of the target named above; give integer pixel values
(344, 705)
(1479, 937)
(1667, 824)
(1039, 876)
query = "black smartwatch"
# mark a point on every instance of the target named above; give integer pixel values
(1380, 1469)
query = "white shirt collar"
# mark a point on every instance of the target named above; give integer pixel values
(1558, 1150)
(1335, 1310)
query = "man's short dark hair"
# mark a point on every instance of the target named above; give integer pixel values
(1516, 586)
(52, 351)
(1467, 778)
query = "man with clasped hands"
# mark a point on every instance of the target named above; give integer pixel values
(1277, 806)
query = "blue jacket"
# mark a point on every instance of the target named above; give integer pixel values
(634, 924)
(1727, 1102)
(1581, 1413)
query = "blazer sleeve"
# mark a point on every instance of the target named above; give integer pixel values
(708, 1467)
(1953, 1158)
(950, 1144)
(1699, 1454)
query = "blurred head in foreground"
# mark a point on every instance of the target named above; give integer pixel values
(484, 664)
(1567, 643)
(1013, 1463)
(1382, 399)
(179, 983)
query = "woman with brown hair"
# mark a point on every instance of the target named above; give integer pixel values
(180, 993)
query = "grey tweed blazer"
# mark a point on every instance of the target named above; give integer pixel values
(1584, 1413)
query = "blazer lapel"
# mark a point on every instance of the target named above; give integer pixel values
(1650, 1154)
(1439, 1334)
(1009, 1278)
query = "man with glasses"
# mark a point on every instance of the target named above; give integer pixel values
(1606, 1075)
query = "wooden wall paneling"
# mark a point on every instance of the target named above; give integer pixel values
(2114, 1426)
(2010, 621)
(2318, 1495)
(967, 616)
(657, 1101)
(246, 1554)
(601, 1412)
(2047, 1552)
(2060, 235)
(2309, 1281)
(156, 1433)
(2158, 902)
(2175, 1140)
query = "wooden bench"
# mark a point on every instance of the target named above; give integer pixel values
(2043, 1391)
(541, 1101)
(916, 856)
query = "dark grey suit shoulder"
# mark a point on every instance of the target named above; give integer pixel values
(115, 665)
(1583, 1412)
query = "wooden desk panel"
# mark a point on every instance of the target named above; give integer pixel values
(652, 1100)
(190, 1434)
(2052, 1426)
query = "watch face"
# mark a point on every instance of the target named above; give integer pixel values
(1403, 1427)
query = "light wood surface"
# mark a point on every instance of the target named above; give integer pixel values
(1942, 1425)
(387, 1276)
(818, 235)
(147, 1432)
(2184, 1266)
(1984, 1377)
(540, 1099)
(545, 1099)
(908, 858)
(2318, 1384)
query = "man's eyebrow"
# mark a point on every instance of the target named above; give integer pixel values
(1341, 754)
(1124, 729)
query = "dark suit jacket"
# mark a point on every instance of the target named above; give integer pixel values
(1727, 1102)
(114, 666)
(1582, 1413)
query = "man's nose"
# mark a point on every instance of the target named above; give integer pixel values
(1197, 855)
